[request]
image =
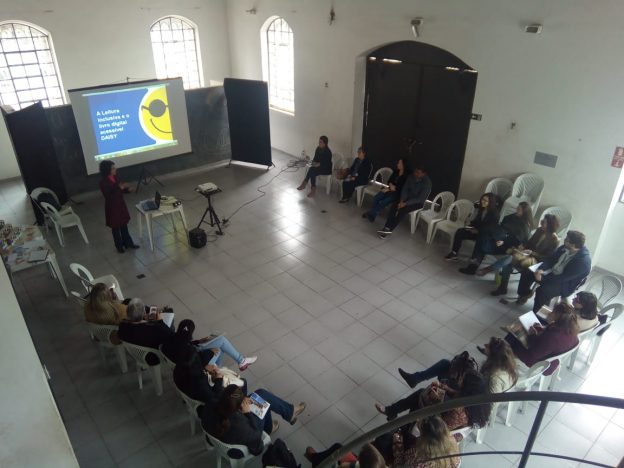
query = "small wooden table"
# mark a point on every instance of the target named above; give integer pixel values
(16, 256)
(151, 214)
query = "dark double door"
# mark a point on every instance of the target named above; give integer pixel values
(418, 105)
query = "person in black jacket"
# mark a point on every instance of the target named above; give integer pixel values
(137, 330)
(511, 232)
(413, 196)
(387, 196)
(359, 172)
(484, 218)
(321, 165)
(559, 275)
(231, 421)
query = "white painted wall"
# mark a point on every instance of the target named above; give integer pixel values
(562, 88)
(610, 250)
(105, 42)
(32, 433)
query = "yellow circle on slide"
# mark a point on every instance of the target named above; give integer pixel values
(154, 112)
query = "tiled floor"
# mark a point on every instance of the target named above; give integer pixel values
(330, 309)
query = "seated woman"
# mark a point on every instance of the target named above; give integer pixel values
(102, 308)
(321, 165)
(143, 329)
(231, 421)
(512, 231)
(586, 309)
(357, 175)
(485, 217)
(559, 336)
(211, 348)
(499, 368)
(369, 457)
(435, 440)
(388, 196)
(473, 383)
(540, 246)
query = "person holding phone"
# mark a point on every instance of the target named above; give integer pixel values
(115, 209)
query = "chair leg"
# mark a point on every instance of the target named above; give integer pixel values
(157, 378)
(59, 234)
(481, 434)
(218, 459)
(102, 353)
(593, 349)
(573, 359)
(193, 418)
(328, 184)
(413, 222)
(82, 231)
(359, 195)
(431, 232)
(121, 358)
(511, 407)
(140, 375)
(544, 382)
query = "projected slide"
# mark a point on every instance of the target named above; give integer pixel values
(131, 123)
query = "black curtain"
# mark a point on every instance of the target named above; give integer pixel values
(34, 150)
(248, 116)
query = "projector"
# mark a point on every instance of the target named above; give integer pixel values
(207, 187)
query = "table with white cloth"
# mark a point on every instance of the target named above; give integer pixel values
(20, 246)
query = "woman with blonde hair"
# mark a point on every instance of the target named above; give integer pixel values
(102, 308)
(435, 440)
(499, 369)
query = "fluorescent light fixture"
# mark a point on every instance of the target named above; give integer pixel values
(451, 68)
(392, 60)
(372, 59)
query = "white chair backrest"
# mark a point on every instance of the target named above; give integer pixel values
(50, 210)
(227, 450)
(605, 287)
(168, 361)
(564, 216)
(382, 175)
(338, 161)
(528, 185)
(500, 186)
(78, 298)
(442, 202)
(464, 431)
(613, 312)
(188, 401)
(561, 357)
(527, 380)
(85, 276)
(139, 353)
(102, 333)
(39, 190)
(460, 211)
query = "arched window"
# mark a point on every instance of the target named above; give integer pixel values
(278, 65)
(176, 50)
(28, 69)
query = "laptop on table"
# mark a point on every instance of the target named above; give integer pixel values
(151, 205)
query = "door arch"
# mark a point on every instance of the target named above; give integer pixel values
(418, 104)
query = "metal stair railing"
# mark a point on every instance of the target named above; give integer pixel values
(543, 397)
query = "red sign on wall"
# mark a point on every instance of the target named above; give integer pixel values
(618, 157)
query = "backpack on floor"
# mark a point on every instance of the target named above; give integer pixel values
(278, 455)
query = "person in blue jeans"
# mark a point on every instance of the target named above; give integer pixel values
(211, 349)
(388, 196)
(231, 421)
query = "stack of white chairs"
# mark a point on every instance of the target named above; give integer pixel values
(139, 353)
(101, 335)
(63, 220)
(527, 187)
(594, 335)
(432, 212)
(381, 175)
(236, 455)
(500, 186)
(337, 164)
(87, 280)
(564, 216)
(458, 213)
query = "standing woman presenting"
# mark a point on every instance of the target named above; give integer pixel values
(115, 209)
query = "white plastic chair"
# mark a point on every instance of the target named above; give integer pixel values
(435, 212)
(337, 163)
(500, 186)
(605, 287)
(236, 455)
(170, 364)
(527, 187)
(87, 280)
(101, 335)
(191, 406)
(368, 178)
(34, 196)
(593, 336)
(139, 354)
(525, 383)
(63, 220)
(457, 215)
(81, 301)
(549, 381)
(381, 175)
(564, 216)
